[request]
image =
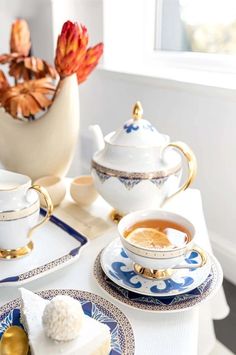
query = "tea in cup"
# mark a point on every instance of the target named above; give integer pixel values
(157, 240)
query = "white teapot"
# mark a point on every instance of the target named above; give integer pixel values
(136, 167)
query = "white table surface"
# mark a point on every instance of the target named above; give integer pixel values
(184, 333)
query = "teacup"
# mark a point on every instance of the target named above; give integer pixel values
(159, 262)
(82, 190)
(19, 213)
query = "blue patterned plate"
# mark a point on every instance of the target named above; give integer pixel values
(119, 268)
(122, 338)
(158, 304)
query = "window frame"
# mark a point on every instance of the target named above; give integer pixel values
(214, 70)
(212, 62)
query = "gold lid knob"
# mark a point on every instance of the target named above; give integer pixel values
(137, 111)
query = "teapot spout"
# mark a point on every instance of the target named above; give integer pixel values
(97, 137)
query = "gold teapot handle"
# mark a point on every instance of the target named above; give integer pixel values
(192, 165)
(49, 207)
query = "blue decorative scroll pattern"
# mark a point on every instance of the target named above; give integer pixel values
(125, 276)
(171, 285)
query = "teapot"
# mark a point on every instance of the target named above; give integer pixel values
(136, 167)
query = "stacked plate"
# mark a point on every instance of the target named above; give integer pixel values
(185, 289)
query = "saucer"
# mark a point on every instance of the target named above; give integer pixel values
(122, 337)
(56, 245)
(120, 269)
(170, 304)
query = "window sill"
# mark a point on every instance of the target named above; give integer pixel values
(205, 82)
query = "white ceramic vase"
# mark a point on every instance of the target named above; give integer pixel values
(45, 146)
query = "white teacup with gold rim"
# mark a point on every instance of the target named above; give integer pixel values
(19, 213)
(157, 241)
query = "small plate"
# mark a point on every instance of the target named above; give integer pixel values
(56, 245)
(122, 337)
(169, 304)
(119, 268)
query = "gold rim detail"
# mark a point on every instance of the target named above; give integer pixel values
(153, 274)
(49, 207)
(145, 176)
(155, 253)
(18, 214)
(16, 253)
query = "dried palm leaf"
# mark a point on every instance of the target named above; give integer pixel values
(4, 85)
(20, 38)
(27, 68)
(27, 99)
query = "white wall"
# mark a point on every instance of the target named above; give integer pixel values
(39, 18)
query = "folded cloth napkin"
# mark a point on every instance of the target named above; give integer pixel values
(92, 221)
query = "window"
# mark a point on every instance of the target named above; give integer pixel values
(207, 26)
(191, 41)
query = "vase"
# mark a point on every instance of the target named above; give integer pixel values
(45, 146)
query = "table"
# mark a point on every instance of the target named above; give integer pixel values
(184, 333)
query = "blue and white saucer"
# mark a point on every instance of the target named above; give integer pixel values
(157, 304)
(122, 337)
(119, 268)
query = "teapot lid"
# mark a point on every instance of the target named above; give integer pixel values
(137, 131)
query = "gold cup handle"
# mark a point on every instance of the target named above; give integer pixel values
(192, 166)
(203, 256)
(49, 207)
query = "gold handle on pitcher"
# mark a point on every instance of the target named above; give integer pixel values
(192, 165)
(49, 207)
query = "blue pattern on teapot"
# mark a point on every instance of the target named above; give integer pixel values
(134, 127)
